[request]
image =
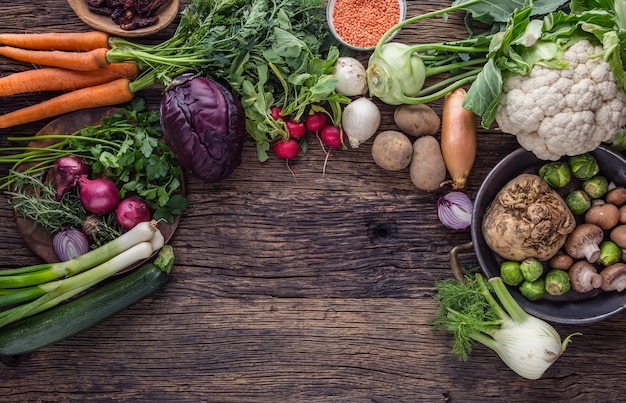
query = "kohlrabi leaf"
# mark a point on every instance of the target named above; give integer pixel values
(499, 11)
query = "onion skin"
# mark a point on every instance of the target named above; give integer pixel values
(458, 138)
(98, 196)
(67, 169)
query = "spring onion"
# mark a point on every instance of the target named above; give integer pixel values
(55, 292)
(470, 311)
(33, 275)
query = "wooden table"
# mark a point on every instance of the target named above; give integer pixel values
(305, 288)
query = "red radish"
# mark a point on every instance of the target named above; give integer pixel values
(332, 136)
(66, 170)
(286, 149)
(131, 211)
(98, 196)
(316, 121)
(276, 113)
(296, 129)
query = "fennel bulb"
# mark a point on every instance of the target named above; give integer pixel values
(526, 344)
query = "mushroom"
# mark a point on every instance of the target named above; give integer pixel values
(618, 235)
(561, 261)
(584, 242)
(584, 276)
(622, 215)
(616, 196)
(614, 277)
(605, 215)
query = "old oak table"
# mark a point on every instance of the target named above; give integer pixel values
(313, 289)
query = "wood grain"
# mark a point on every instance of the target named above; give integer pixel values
(308, 287)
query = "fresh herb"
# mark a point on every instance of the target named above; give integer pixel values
(270, 53)
(32, 198)
(126, 148)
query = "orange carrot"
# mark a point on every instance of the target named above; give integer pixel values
(458, 138)
(108, 94)
(83, 61)
(57, 79)
(79, 41)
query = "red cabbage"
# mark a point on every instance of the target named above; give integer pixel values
(204, 126)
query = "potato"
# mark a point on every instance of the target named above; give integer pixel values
(417, 120)
(392, 150)
(427, 170)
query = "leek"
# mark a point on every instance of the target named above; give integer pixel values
(471, 312)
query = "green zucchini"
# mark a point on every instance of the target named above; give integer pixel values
(68, 319)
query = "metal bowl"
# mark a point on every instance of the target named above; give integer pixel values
(572, 307)
(330, 8)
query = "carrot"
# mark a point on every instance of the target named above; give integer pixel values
(57, 79)
(80, 41)
(458, 138)
(111, 93)
(84, 61)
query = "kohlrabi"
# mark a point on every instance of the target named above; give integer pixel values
(477, 311)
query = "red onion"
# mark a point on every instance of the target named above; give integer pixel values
(70, 243)
(131, 211)
(455, 210)
(66, 170)
(98, 196)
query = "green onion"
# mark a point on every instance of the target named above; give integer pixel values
(53, 293)
(33, 275)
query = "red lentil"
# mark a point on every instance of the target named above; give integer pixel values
(362, 23)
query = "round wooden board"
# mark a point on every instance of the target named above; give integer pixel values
(35, 236)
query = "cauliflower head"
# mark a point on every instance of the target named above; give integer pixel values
(558, 112)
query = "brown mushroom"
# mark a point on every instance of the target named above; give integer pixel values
(614, 277)
(584, 277)
(616, 196)
(618, 235)
(584, 242)
(622, 214)
(561, 261)
(605, 215)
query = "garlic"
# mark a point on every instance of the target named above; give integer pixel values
(360, 120)
(351, 75)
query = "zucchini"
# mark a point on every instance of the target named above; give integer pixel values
(70, 318)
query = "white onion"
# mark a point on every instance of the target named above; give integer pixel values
(351, 75)
(360, 120)
(455, 210)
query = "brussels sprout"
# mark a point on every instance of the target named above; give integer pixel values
(609, 253)
(556, 174)
(596, 187)
(510, 273)
(584, 166)
(557, 282)
(531, 269)
(578, 201)
(532, 290)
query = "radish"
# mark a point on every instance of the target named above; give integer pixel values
(316, 121)
(276, 113)
(332, 136)
(286, 149)
(295, 129)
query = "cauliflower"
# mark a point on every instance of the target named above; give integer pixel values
(557, 112)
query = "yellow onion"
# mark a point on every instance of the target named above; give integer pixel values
(458, 138)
